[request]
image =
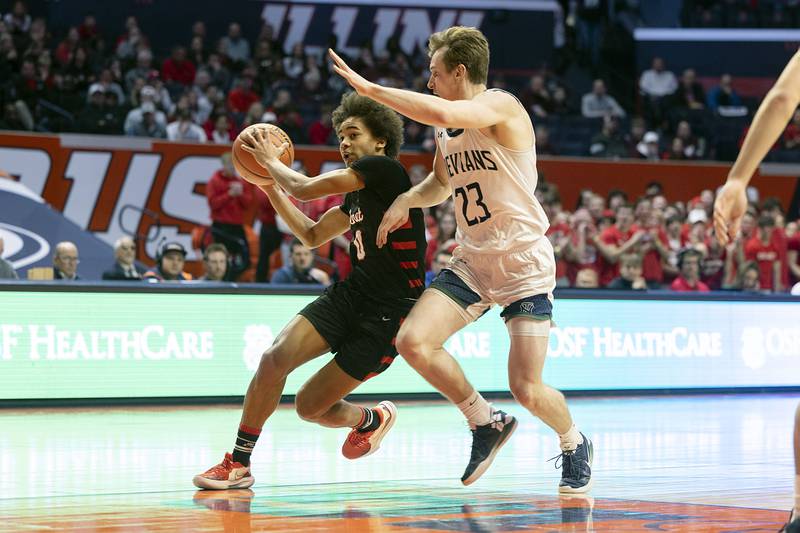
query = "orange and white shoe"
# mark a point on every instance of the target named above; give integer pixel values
(361, 444)
(229, 474)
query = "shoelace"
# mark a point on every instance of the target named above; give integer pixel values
(224, 467)
(479, 447)
(568, 463)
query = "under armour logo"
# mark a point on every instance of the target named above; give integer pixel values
(528, 307)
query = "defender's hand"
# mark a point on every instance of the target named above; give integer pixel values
(395, 216)
(729, 208)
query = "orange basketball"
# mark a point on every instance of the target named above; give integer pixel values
(244, 162)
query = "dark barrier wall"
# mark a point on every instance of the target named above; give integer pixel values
(73, 341)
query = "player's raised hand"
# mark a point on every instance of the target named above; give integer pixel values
(393, 218)
(356, 80)
(729, 208)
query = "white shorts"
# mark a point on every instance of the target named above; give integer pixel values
(502, 279)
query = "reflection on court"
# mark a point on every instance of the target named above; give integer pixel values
(713, 463)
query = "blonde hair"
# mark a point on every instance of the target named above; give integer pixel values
(464, 46)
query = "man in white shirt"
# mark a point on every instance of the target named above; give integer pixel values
(656, 84)
(184, 130)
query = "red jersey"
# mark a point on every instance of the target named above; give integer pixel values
(651, 261)
(612, 235)
(765, 254)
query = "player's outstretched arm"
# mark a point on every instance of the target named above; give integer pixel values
(332, 224)
(302, 187)
(431, 191)
(483, 111)
(769, 122)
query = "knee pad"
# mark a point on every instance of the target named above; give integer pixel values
(528, 327)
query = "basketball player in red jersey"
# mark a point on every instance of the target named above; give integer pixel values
(356, 319)
(771, 118)
(486, 159)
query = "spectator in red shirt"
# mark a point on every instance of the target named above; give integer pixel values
(768, 249)
(241, 97)
(689, 279)
(615, 241)
(446, 232)
(177, 70)
(228, 198)
(653, 247)
(320, 130)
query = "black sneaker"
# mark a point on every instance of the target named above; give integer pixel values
(576, 468)
(486, 442)
(793, 525)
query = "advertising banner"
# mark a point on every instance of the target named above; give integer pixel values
(183, 344)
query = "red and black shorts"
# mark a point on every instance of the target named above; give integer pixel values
(360, 331)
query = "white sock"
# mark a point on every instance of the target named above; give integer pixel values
(476, 409)
(797, 494)
(571, 439)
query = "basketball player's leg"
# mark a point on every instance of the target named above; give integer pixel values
(298, 343)
(525, 364)
(528, 323)
(421, 342)
(366, 350)
(319, 400)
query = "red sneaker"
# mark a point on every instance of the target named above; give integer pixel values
(226, 475)
(361, 444)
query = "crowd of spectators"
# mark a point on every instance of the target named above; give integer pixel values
(653, 242)
(111, 81)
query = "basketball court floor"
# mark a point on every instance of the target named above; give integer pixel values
(692, 463)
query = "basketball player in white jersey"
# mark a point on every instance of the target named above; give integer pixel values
(771, 118)
(486, 159)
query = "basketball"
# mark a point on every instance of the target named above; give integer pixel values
(244, 162)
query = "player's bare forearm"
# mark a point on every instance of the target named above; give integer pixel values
(297, 221)
(429, 192)
(434, 111)
(769, 122)
(289, 179)
(312, 233)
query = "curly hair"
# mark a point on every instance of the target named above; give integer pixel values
(382, 122)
